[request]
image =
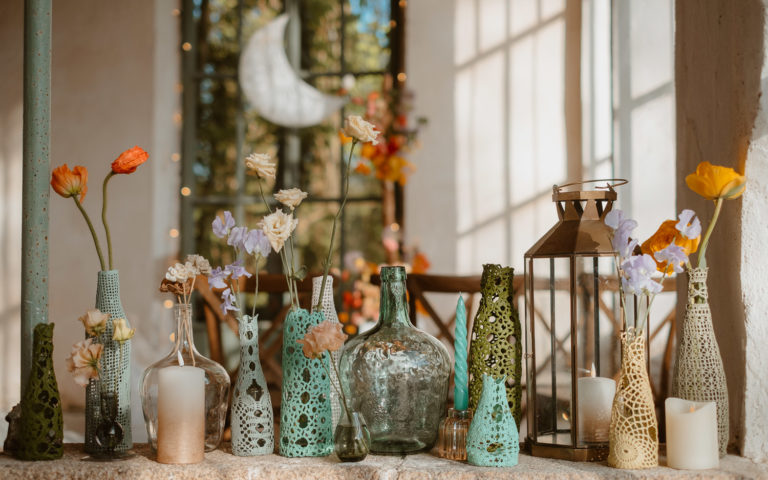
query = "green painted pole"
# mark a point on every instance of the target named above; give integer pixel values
(36, 174)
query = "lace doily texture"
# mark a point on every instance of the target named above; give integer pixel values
(493, 439)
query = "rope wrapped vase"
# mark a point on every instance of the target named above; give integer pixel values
(700, 376)
(633, 437)
(115, 370)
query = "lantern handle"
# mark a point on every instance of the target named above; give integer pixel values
(612, 182)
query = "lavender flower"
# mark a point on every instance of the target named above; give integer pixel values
(217, 276)
(622, 227)
(257, 243)
(237, 270)
(228, 301)
(637, 271)
(673, 255)
(237, 238)
(221, 229)
(689, 229)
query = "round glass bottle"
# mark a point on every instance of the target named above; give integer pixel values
(215, 384)
(386, 369)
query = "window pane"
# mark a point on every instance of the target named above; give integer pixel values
(214, 167)
(366, 46)
(313, 234)
(320, 37)
(362, 230)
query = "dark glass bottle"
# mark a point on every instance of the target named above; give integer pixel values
(396, 375)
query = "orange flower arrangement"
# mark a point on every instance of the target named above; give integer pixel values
(73, 183)
(664, 236)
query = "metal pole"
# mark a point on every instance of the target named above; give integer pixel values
(35, 187)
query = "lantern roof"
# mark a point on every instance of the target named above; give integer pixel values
(581, 229)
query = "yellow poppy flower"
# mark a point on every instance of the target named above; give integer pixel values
(713, 182)
(666, 234)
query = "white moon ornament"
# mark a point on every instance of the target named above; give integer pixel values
(274, 89)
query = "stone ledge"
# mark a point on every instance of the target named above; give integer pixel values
(221, 465)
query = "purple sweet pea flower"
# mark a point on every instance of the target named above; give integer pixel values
(237, 270)
(217, 277)
(689, 229)
(237, 238)
(622, 231)
(674, 255)
(257, 243)
(228, 302)
(221, 229)
(637, 271)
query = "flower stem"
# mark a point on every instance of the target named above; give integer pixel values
(104, 216)
(261, 189)
(93, 232)
(256, 290)
(333, 230)
(705, 241)
(338, 388)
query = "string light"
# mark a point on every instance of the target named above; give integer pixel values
(392, 24)
(177, 119)
(403, 3)
(175, 12)
(186, 46)
(401, 77)
(174, 233)
(395, 227)
(186, 191)
(168, 304)
(175, 157)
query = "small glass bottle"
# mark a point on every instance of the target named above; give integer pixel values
(352, 441)
(396, 375)
(452, 436)
(216, 383)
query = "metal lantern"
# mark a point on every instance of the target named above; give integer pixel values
(572, 322)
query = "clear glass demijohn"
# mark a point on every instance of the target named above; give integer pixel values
(396, 375)
(216, 382)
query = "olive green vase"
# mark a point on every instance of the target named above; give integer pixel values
(496, 346)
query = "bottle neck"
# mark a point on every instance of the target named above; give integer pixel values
(183, 337)
(394, 307)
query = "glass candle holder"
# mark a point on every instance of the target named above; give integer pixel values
(186, 378)
(452, 435)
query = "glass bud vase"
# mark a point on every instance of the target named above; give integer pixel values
(115, 368)
(700, 376)
(351, 439)
(305, 408)
(109, 433)
(189, 380)
(496, 333)
(328, 308)
(253, 431)
(452, 436)
(396, 375)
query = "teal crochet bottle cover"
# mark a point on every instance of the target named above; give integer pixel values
(493, 439)
(305, 410)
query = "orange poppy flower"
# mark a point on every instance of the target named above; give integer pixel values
(70, 183)
(363, 169)
(713, 182)
(344, 139)
(129, 160)
(665, 235)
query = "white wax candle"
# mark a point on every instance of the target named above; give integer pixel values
(181, 415)
(595, 401)
(691, 434)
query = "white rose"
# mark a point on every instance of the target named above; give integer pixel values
(291, 197)
(177, 273)
(94, 321)
(202, 266)
(260, 163)
(356, 127)
(278, 227)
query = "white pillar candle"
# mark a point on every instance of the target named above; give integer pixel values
(595, 402)
(691, 434)
(181, 415)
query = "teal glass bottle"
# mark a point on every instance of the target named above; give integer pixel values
(493, 439)
(306, 427)
(396, 375)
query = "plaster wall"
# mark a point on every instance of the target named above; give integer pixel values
(718, 69)
(114, 75)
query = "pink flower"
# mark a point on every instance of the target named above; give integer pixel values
(325, 336)
(83, 361)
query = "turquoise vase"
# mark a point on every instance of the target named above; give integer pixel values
(253, 431)
(305, 409)
(493, 439)
(115, 369)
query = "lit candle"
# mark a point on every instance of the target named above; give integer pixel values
(181, 415)
(691, 434)
(460, 379)
(595, 402)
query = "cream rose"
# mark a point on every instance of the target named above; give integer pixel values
(325, 336)
(83, 361)
(278, 227)
(290, 198)
(122, 332)
(178, 273)
(94, 322)
(356, 127)
(200, 264)
(260, 164)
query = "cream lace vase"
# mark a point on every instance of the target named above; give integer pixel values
(634, 440)
(700, 376)
(328, 308)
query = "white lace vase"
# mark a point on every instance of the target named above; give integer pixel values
(253, 431)
(700, 376)
(328, 307)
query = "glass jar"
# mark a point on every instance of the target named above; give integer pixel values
(386, 369)
(351, 439)
(452, 437)
(215, 384)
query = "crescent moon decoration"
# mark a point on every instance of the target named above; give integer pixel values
(274, 89)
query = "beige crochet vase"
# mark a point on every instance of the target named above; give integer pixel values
(634, 440)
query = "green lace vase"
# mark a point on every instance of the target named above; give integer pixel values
(493, 439)
(115, 369)
(41, 431)
(305, 410)
(496, 346)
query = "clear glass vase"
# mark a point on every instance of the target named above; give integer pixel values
(452, 436)
(174, 375)
(396, 375)
(351, 439)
